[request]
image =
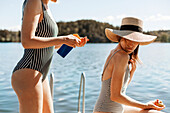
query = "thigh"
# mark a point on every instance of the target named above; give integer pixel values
(129, 109)
(27, 84)
(47, 98)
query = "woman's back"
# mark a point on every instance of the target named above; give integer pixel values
(104, 103)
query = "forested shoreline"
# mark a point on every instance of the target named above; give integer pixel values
(94, 30)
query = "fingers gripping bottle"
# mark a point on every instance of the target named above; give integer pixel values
(65, 49)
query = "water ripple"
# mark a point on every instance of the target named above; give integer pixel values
(151, 80)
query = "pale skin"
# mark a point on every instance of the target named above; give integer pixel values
(116, 70)
(34, 95)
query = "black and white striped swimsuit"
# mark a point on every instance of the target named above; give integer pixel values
(40, 59)
(104, 103)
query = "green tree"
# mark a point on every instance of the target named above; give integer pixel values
(164, 37)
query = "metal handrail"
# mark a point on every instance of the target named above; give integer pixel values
(51, 84)
(83, 103)
(79, 97)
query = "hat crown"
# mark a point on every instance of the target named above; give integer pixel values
(132, 21)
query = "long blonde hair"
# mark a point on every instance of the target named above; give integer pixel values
(134, 55)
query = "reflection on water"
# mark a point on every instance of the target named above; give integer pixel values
(151, 80)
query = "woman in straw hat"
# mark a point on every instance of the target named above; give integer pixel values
(117, 75)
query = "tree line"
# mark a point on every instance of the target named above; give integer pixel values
(94, 30)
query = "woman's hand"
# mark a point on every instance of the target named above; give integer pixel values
(71, 40)
(83, 42)
(151, 105)
(133, 66)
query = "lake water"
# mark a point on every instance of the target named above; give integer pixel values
(151, 79)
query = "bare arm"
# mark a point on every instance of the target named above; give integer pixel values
(58, 46)
(32, 12)
(120, 64)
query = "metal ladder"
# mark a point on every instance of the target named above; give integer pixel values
(83, 102)
(79, 97)
(51, 84)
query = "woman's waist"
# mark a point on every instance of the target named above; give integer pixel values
(42, 54)
(107, 105)
(39, 50)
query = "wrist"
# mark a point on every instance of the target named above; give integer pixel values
(144, 106)
(63, 39)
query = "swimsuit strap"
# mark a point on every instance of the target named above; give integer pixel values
(109, 61)
(44, 9)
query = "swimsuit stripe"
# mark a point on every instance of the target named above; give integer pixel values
(27, 56)
(38, 58)
(104, 103)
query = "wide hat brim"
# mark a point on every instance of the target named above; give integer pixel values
(115, 35)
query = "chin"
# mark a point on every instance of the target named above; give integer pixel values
(129, 51)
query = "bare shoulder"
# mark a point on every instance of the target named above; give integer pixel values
(33, 6)
(121, 57)
(34, 2)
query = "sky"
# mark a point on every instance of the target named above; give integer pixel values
(154, 13)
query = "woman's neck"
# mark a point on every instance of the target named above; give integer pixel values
(120, 47)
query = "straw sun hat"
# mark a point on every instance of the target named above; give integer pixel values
(131, 29)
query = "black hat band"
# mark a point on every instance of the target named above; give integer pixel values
(131, 28)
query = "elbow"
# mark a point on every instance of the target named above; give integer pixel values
(26, 40)
(115, 97)
(25, 44)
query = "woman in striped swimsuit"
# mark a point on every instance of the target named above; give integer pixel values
(117, 73)
(39, 38)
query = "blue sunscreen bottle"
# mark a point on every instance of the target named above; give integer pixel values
(64, 50)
